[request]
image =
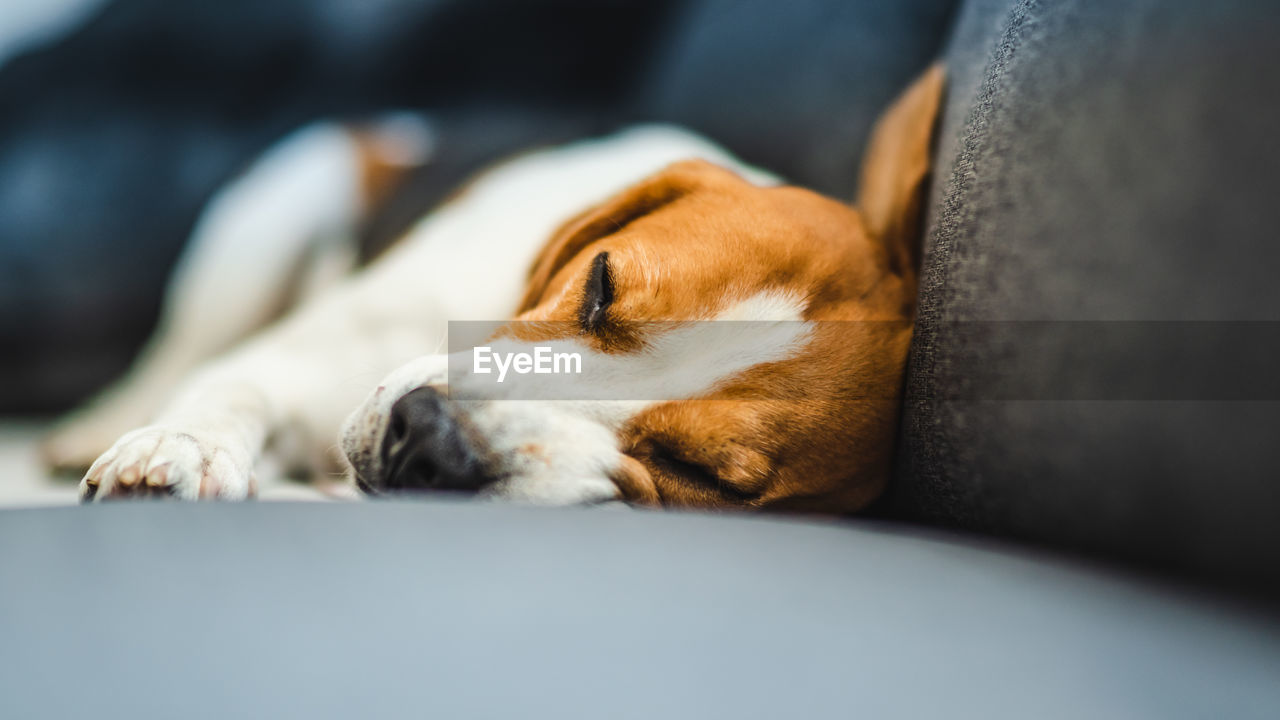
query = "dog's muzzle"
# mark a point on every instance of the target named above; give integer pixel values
(425, 448)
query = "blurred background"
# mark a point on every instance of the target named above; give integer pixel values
(119, 119)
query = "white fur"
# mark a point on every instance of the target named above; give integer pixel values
(571, 421)
(467, 261)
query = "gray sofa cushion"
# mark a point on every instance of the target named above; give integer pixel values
(1104, 161)
(442, 610)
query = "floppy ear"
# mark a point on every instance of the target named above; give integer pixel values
(608, 218)
(896, 169)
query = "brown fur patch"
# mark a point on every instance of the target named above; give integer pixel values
(813, 432)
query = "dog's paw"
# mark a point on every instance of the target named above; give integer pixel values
(163, 462)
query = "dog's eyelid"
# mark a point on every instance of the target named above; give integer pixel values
(697, 473)
(598, 294)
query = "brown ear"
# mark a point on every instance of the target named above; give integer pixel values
(608, 218)
(896, 168)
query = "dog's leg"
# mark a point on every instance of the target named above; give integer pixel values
(302, 377)
(299, 377)
(278, 234)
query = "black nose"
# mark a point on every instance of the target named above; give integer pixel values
(425, 449)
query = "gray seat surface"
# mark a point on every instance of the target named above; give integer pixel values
(455, 610)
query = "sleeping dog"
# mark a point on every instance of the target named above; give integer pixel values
(737, 342)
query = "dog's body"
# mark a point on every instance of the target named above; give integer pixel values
(649, 253)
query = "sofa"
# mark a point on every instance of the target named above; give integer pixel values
(1084, 517)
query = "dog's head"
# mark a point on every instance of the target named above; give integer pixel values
(723, 344)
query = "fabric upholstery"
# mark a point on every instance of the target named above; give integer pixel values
(1102, 162)
(446, 610)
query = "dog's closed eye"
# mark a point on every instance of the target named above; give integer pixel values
(598, 295)
(699, 477)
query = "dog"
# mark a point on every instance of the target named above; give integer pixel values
(740, 343)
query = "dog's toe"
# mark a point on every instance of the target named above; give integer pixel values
(160, 462)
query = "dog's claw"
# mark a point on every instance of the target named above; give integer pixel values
(128, 477)
(158, 476)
